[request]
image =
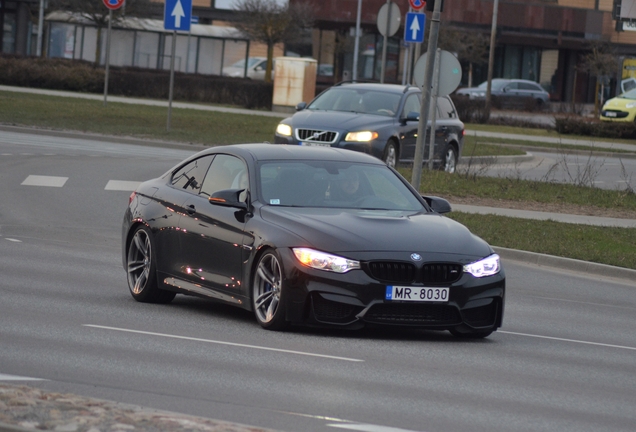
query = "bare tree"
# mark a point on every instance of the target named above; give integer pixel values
(600, 62)
(97, 13)
(271, 23)
(471, 47)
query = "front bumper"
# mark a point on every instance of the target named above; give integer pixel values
(374, 148)
(615, 115)
(355, 300)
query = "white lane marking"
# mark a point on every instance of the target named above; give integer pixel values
(4, 377)
(569, 340)
(121, 185)
(13, 240)
(49, 181)
(368, 427)
(223, 343)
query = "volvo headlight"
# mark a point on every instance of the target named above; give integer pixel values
(362, 136)
(486, 267)
(283, 129)
(324, 261)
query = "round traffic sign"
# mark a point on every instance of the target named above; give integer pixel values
(450, 73)
(113, 4)
(417, 4)
(392, 23)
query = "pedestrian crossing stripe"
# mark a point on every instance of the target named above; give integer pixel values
(121, 185)
(53, 181)
(48, 181)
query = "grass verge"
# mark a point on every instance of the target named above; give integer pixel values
(604, 245)
(186, 125)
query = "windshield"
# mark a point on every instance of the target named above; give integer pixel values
(629, 95)
(358, 101)
(496, 84)
(334, 184)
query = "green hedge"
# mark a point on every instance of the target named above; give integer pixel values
(81, 76)
(582, 126)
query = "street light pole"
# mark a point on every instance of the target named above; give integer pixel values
(356, 47)
(40, 28)
(491, 55)
(433, 35)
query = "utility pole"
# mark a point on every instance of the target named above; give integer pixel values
(433, 35)
(491, 55)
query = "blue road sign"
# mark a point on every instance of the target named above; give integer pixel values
(414, 27)
(177, 15)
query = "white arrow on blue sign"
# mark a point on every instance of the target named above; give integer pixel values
(177, 15)
(414, 27)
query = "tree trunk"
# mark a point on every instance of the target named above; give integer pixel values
(270, 62)
(98, 48)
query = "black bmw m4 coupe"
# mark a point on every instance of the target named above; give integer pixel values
(313, 236)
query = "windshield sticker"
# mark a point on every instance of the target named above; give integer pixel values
(274, 201)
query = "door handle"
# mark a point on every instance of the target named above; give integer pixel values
(191, 209)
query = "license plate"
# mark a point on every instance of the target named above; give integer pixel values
(314, 144)
(610, 114)
(416, 294)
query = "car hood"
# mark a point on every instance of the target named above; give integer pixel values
(619, 103)
(337, 120)
(363, 231)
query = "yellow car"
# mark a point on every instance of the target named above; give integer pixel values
(622, 108)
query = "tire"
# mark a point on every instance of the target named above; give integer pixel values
(450, 159)
(390, 156)
(464, 333)
(268, 293)
(141, 268)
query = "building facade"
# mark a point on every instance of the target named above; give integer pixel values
(542, 40)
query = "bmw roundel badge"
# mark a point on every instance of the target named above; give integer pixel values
(416, 257)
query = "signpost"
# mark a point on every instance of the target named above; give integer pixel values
(177, 16)
(388, 24)
(111, 5)
(414, 27)
(417, 4)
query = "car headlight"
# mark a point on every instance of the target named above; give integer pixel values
(324, 261)
(630, 105)
(362, 136)
(283, 129)
(481, 94)
(486, 267)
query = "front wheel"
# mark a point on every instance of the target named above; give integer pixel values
(450, 159)
(141, 266)
(390, 154)
(268, 293)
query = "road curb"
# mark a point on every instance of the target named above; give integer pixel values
(566, 264)
(5, 427)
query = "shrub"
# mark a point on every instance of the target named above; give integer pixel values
(582, 126)
(82, 76)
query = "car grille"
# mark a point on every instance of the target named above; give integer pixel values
(615, 114)
(402, 272)
(315, 135)
(412, 314)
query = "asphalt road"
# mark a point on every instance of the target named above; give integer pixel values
(565, 359)
(604, 171)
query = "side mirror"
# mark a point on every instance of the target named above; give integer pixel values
(412, 116)
(228, 198)
(301, 106)
(439, 205)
